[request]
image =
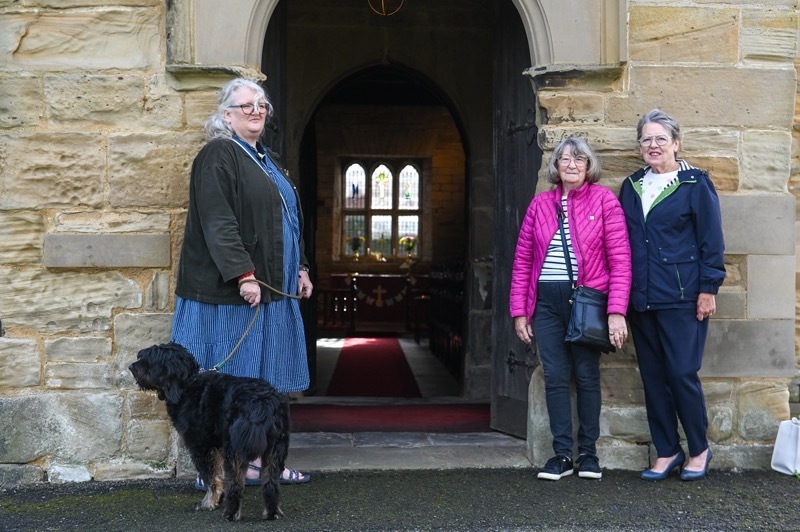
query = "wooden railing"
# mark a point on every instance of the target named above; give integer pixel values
(446, 316)
(336, 308)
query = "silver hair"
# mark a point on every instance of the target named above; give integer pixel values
(578, 146)
(216, 126)
(659, 117)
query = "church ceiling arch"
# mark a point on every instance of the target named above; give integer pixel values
(388, 84)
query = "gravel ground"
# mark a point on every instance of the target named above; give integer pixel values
(474, 499)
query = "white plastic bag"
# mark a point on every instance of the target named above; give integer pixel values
(786, 454)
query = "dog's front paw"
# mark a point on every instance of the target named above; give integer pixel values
(209, 503)
(202, 505)
(234, 516)
(272, 516)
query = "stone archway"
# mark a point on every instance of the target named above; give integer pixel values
(204, 35)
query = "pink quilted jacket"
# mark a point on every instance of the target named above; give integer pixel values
(599, 238)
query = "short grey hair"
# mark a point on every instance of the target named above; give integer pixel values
(659, 117)
(578, 146)
(216, 126)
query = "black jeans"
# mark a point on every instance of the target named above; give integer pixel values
(559, 360)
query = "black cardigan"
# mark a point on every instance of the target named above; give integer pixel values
(233, 226)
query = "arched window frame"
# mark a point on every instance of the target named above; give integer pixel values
(354, 241)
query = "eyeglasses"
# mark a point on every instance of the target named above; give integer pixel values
(660, 140)
(250, 109)
(566, 160)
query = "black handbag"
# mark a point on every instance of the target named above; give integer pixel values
(588, 321)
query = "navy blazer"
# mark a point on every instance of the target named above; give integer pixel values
(677, 251)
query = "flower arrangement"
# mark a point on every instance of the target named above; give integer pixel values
(408, 243)
(355, 243)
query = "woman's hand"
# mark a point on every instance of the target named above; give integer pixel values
(250, 291)
(617, 330)
(706, 306)
(523, 328)
(304, 286)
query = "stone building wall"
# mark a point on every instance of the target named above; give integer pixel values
(726, 71)
(95, 149)
(98, 127)
(794, 189)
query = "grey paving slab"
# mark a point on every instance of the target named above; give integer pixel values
(325, 451)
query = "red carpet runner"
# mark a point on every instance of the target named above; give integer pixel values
(372, 367)
(390, 418)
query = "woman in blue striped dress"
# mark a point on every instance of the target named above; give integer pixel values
(243, 223)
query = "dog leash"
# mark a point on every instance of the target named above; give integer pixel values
(252, 321)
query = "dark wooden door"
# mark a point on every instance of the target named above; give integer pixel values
(273, 65)
(516, 163)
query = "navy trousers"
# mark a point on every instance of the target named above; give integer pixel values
(669, 345)
(559, 361)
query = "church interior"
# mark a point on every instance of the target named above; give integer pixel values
(384, 168)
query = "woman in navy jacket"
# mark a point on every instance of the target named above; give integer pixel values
(677, 251)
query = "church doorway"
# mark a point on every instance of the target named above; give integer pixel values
(393, 117)
(412, 105)
(390, 240)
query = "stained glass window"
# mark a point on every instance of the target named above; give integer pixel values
(388, 223)
(381, 234)
(381, 188)
(354, 187)
(354, 232)
(409, 188)
(408, 229)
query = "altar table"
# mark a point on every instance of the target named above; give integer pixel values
(381, 297)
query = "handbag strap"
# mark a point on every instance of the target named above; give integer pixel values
(567, 258)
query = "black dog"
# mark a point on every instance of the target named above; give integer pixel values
(225, 423)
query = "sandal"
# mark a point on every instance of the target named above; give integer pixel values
(200, 486)
(295, 477)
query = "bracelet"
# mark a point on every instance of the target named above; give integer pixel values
(304, 268)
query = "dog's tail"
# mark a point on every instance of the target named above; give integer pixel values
(265, 421)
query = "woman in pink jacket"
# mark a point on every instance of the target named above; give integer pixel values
(599, 252)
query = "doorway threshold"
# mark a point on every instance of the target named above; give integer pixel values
(330, 452)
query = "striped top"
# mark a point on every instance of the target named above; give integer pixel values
(555, 266)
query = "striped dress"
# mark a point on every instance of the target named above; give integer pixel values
(275, 348)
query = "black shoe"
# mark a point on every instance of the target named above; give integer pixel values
(556, 467)
(589, 466)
